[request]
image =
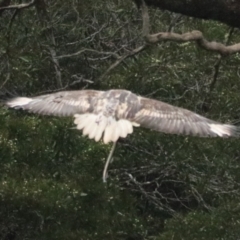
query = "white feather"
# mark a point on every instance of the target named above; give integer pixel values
(221, 130)
(122, 129)
(82, 122)
(115, 131)
(101, 127)
(19, 101)
(95, 125)
(89, 123)
(106, 137)
(129, 127)
(108, 130)
(93, 131)
(135, 124)
(79, 118)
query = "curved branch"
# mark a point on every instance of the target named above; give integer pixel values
(226, 11)
(195, 36)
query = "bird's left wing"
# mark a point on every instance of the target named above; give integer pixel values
(163, 117)
(65, 103)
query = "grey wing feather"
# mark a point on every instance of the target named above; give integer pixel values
(64, 103)
(166, 118)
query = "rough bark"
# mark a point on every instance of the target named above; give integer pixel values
(226, 11)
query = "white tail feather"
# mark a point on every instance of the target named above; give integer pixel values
(81, 122)
(89, 124)
(115, 132)
(93, 131)
(101, 127)
(109, 131)
(126, 127)
(122, 132)
(95, 126)
(129, 127)
(79, 118)
(87, 129)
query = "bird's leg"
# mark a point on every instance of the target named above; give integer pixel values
(108, 161)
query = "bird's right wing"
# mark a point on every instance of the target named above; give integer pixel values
(65, 103)
(163, 117)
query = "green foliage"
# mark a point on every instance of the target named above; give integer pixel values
(49, 184)
(222, 223)
(159, 186)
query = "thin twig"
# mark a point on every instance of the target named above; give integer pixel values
(122, 58)
(218, 63)
(88, 50)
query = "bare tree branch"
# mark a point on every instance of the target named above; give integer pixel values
(207, 100)
(115, 55)
(226, 11)
(19, 6)
(79, 80)
(218, 63)
(195, 36)
(122, 58)
(44, 18)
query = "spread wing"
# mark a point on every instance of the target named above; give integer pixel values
(165, 118)
(122, 105)
(66, 103)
